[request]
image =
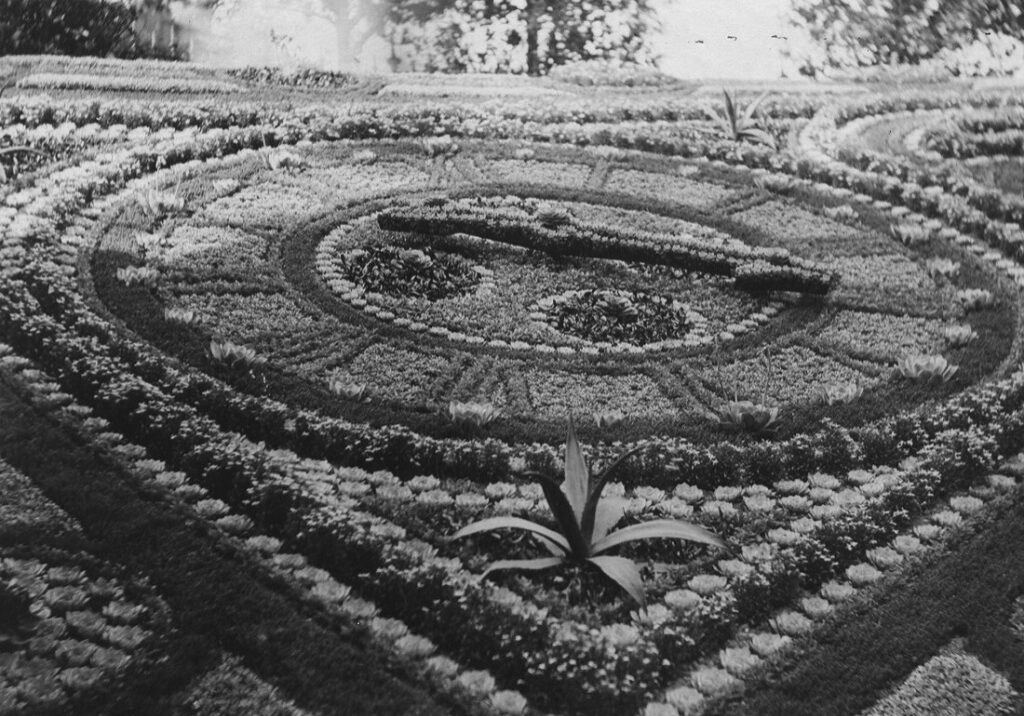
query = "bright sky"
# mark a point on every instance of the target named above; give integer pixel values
(695, 40)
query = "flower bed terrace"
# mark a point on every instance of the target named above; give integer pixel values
(282, 317)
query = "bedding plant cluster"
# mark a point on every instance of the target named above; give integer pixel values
(348, 337)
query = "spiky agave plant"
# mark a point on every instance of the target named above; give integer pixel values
(585, 524)
(741, 124)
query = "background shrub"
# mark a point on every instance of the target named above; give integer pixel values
(67, 27)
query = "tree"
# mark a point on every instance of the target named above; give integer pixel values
(528, 36)
(860, 33)
(67, 27)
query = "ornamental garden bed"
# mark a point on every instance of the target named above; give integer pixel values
(340, 337)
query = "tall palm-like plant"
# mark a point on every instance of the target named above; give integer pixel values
(740, 125)
(585, 524)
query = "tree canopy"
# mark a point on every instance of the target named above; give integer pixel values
(859, 33)
(517, 35)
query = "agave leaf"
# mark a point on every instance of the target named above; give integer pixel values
(719, 119)
(758, 136)
(594, 497)
(577, 476)
(752, 108)
(531, 564)
(20, 149)
(658, 529)
(730, 113)
(609, 513)
(566, 518)
(554, 549)
(513, 523)
(625, 573)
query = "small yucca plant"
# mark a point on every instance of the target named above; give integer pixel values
(926, 368)
(973, 299)
(910, 234)
(942, 267)
(184, 316)
(741, 125)
(748, 416)
(959, 336)
(585, 524)
(137, 275)
(154, 202)
(275, 159)
(347, 389)
(234, 355)
(609, 418)
(841, 394)
(473, 415)
(443, 146)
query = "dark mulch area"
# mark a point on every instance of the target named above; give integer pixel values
(220, 600)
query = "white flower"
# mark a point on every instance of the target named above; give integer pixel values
(758, 552)
(735, 569)
(388, 629)
(815, 607)
(435, 497)
(837, 591)
(766, 643)
(737, 661)
(470, 499)
(676, 507)
(653, 615)
(508, 702)
(727, 494)
(796, 503)
(682, 600)
(927, 532)
(861, 575)
(715, 682)
(859, 477)
(783, 538)
(791, 487)
(966, 504)
(947, 518)
(884, 557)
(791, 623)
(686, 699)
(905, 544)
(823, 480)
(422, 483)
(478, 683)
(499, 490)
(688, 493)
(619, 635)
(758, 503)
(804, 525)
(707, 584)
(443, 666)
(414, 647)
